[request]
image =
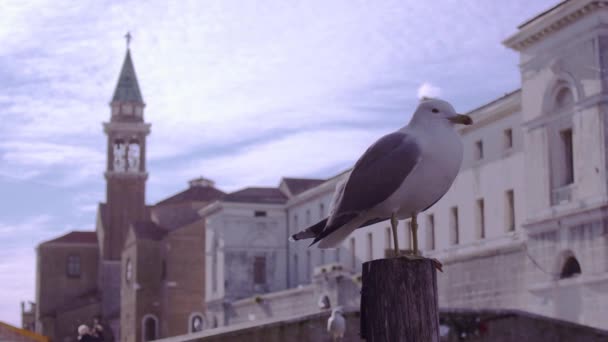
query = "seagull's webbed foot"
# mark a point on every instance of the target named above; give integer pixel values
(418, 256)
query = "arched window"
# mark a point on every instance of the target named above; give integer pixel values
(120, 156)
(215, 323)
(571, 268)
(149, 328)
(196, 322)
(129, 271)
(564, 99)
(561, 100)
(133, 151)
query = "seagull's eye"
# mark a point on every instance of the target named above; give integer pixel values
(435, 110)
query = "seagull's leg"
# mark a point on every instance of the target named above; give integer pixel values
(415, 235)
(394, 225)
(416, 252)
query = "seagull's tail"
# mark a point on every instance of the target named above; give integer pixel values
(331, 237)
(320, 230)
(310, 232)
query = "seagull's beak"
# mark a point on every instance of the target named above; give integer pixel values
(461, 119)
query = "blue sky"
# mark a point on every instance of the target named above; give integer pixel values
(242, 92)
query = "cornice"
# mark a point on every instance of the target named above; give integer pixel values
(494, 111)
(554, 20)
(127, 127)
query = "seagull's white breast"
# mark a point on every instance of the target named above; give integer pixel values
(336, 325)
(441, 157)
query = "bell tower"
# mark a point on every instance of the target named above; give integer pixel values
(126, 164)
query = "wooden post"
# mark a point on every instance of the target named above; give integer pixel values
(399, 301)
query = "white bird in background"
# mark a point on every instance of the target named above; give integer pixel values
(336, 324)
(324, 302)
(401, 175)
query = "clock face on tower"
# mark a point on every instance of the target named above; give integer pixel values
(126, 156)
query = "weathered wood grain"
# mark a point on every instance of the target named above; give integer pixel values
(399, 301)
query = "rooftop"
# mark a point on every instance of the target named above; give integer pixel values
(127, 88)
(80, 237)
(257, 195)
(148, 230)
(197, 192)
(298, 185)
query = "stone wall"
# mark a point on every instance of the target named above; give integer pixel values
(491, 280)
(182, 291)
(311, 328)
(339, 286)
(476, 326)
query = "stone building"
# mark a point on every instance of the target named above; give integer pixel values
(134, 272)
(525, 224)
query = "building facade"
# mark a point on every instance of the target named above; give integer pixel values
(525, 224)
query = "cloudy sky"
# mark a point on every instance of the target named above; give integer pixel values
(239, 91)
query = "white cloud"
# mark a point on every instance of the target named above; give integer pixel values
(426, 89)
(26, 160)
(301, 154)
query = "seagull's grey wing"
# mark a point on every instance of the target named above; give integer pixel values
(376, 175)
(379, 172)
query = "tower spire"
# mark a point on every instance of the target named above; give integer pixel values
(127, 88)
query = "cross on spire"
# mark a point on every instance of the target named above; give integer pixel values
(128, 38)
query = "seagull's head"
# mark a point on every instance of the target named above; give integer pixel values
(436, 110)
(337, 310)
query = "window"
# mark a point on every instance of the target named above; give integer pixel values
(338, 254)
(387, 238)
(479, 150)
(307, 217)
(129, 271)
(510, 211)
(454, 226)
(566, 140)
(259, 270)
(480, 219)
(259, 213)
(322, 256)
(150, 328)
(214, 261)
(370, 246)
(564, 99)
(571, 268)
(321, 211)
(163, 270)
(296, 271)
(430, 232)
(196, 323)
(407, 235)
(353, 254)
(295, 222)
(508, 138)
(308, 264)
(73, 266)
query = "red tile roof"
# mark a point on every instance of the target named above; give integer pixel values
(75, 237)
(148, 230)
(298, 185)
(194, 194)
(257, 195)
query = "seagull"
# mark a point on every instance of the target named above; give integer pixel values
(336, 324)
(401, 175)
